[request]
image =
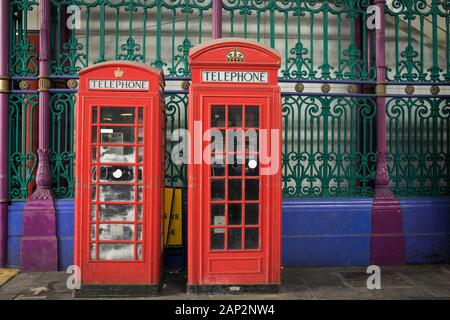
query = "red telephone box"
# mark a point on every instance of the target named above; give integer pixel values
(234, 198)
(120, 149)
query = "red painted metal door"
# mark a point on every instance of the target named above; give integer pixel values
(116, 222)
(235, 227)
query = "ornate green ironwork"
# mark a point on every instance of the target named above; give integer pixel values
(22, 144)
(290, 18)
(419, 145)
(62, 116)
(328, 141)
(328, 146)
(414, 59)
(176, 113)
(23, 56)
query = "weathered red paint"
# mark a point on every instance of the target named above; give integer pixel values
(259, 266)
(131, 271)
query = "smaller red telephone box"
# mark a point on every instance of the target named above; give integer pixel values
(120, 149)
(234, 175)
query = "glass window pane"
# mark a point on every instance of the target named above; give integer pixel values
(235, 116)
(94, 114)
(115, 154)
(94, 154)
(251, 116)
(93, 231)
(141, 115)
(116, 251)
(118, 135)
(234, 189)
(217, 190)
(234, 214)
(116, 193)
(251, 140)
(139, 212)
(251, 166)
(120, 115)
(140, 192)
(217, 170)
(139, 232)
(234, 238)
(94, 134)
(217, 214)
(93, 212)
(252, 189)
(251, 238)
(116, 212)
(218, 116)
(217, 238)
(139, 251)
(251, 213)
(235, 166)
(234, 140)
(116, 173)
(93, 249)
(116, 231)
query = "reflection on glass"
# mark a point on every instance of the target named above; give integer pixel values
(116, 251)
(234, 140)
(217, 214)
(217, 238)
(117, 135)
(234, 238)
(93, 251)
(117, 154)
(93, 212)
(140, 193)
(116, 231)
(116, 212)
(217, 170)
(119, 115)
(118, 193)
(139, 232)
(251, 238)
(139, 212)
(94, 134)
(218, 116)
(93, 231)
(139, 251)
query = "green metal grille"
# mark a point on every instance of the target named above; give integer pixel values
(328, 139)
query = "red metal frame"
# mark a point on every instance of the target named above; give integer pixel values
(133, 271)
(233, 266)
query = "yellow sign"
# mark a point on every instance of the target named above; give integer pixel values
(173, 217)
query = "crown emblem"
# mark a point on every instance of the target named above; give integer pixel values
(118, 73)
(235, 55)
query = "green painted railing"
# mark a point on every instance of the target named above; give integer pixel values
(328, 136)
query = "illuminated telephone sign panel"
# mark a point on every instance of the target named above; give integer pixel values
(234, 171)
(120, 125)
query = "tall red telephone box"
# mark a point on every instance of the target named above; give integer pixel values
(120, 149)
(234, 175)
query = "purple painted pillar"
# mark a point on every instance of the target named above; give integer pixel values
(388, 244)
(217, 19)
(39, 244)
(4, 115)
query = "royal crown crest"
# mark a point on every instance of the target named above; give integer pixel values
(235, 55)
(118, 73)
